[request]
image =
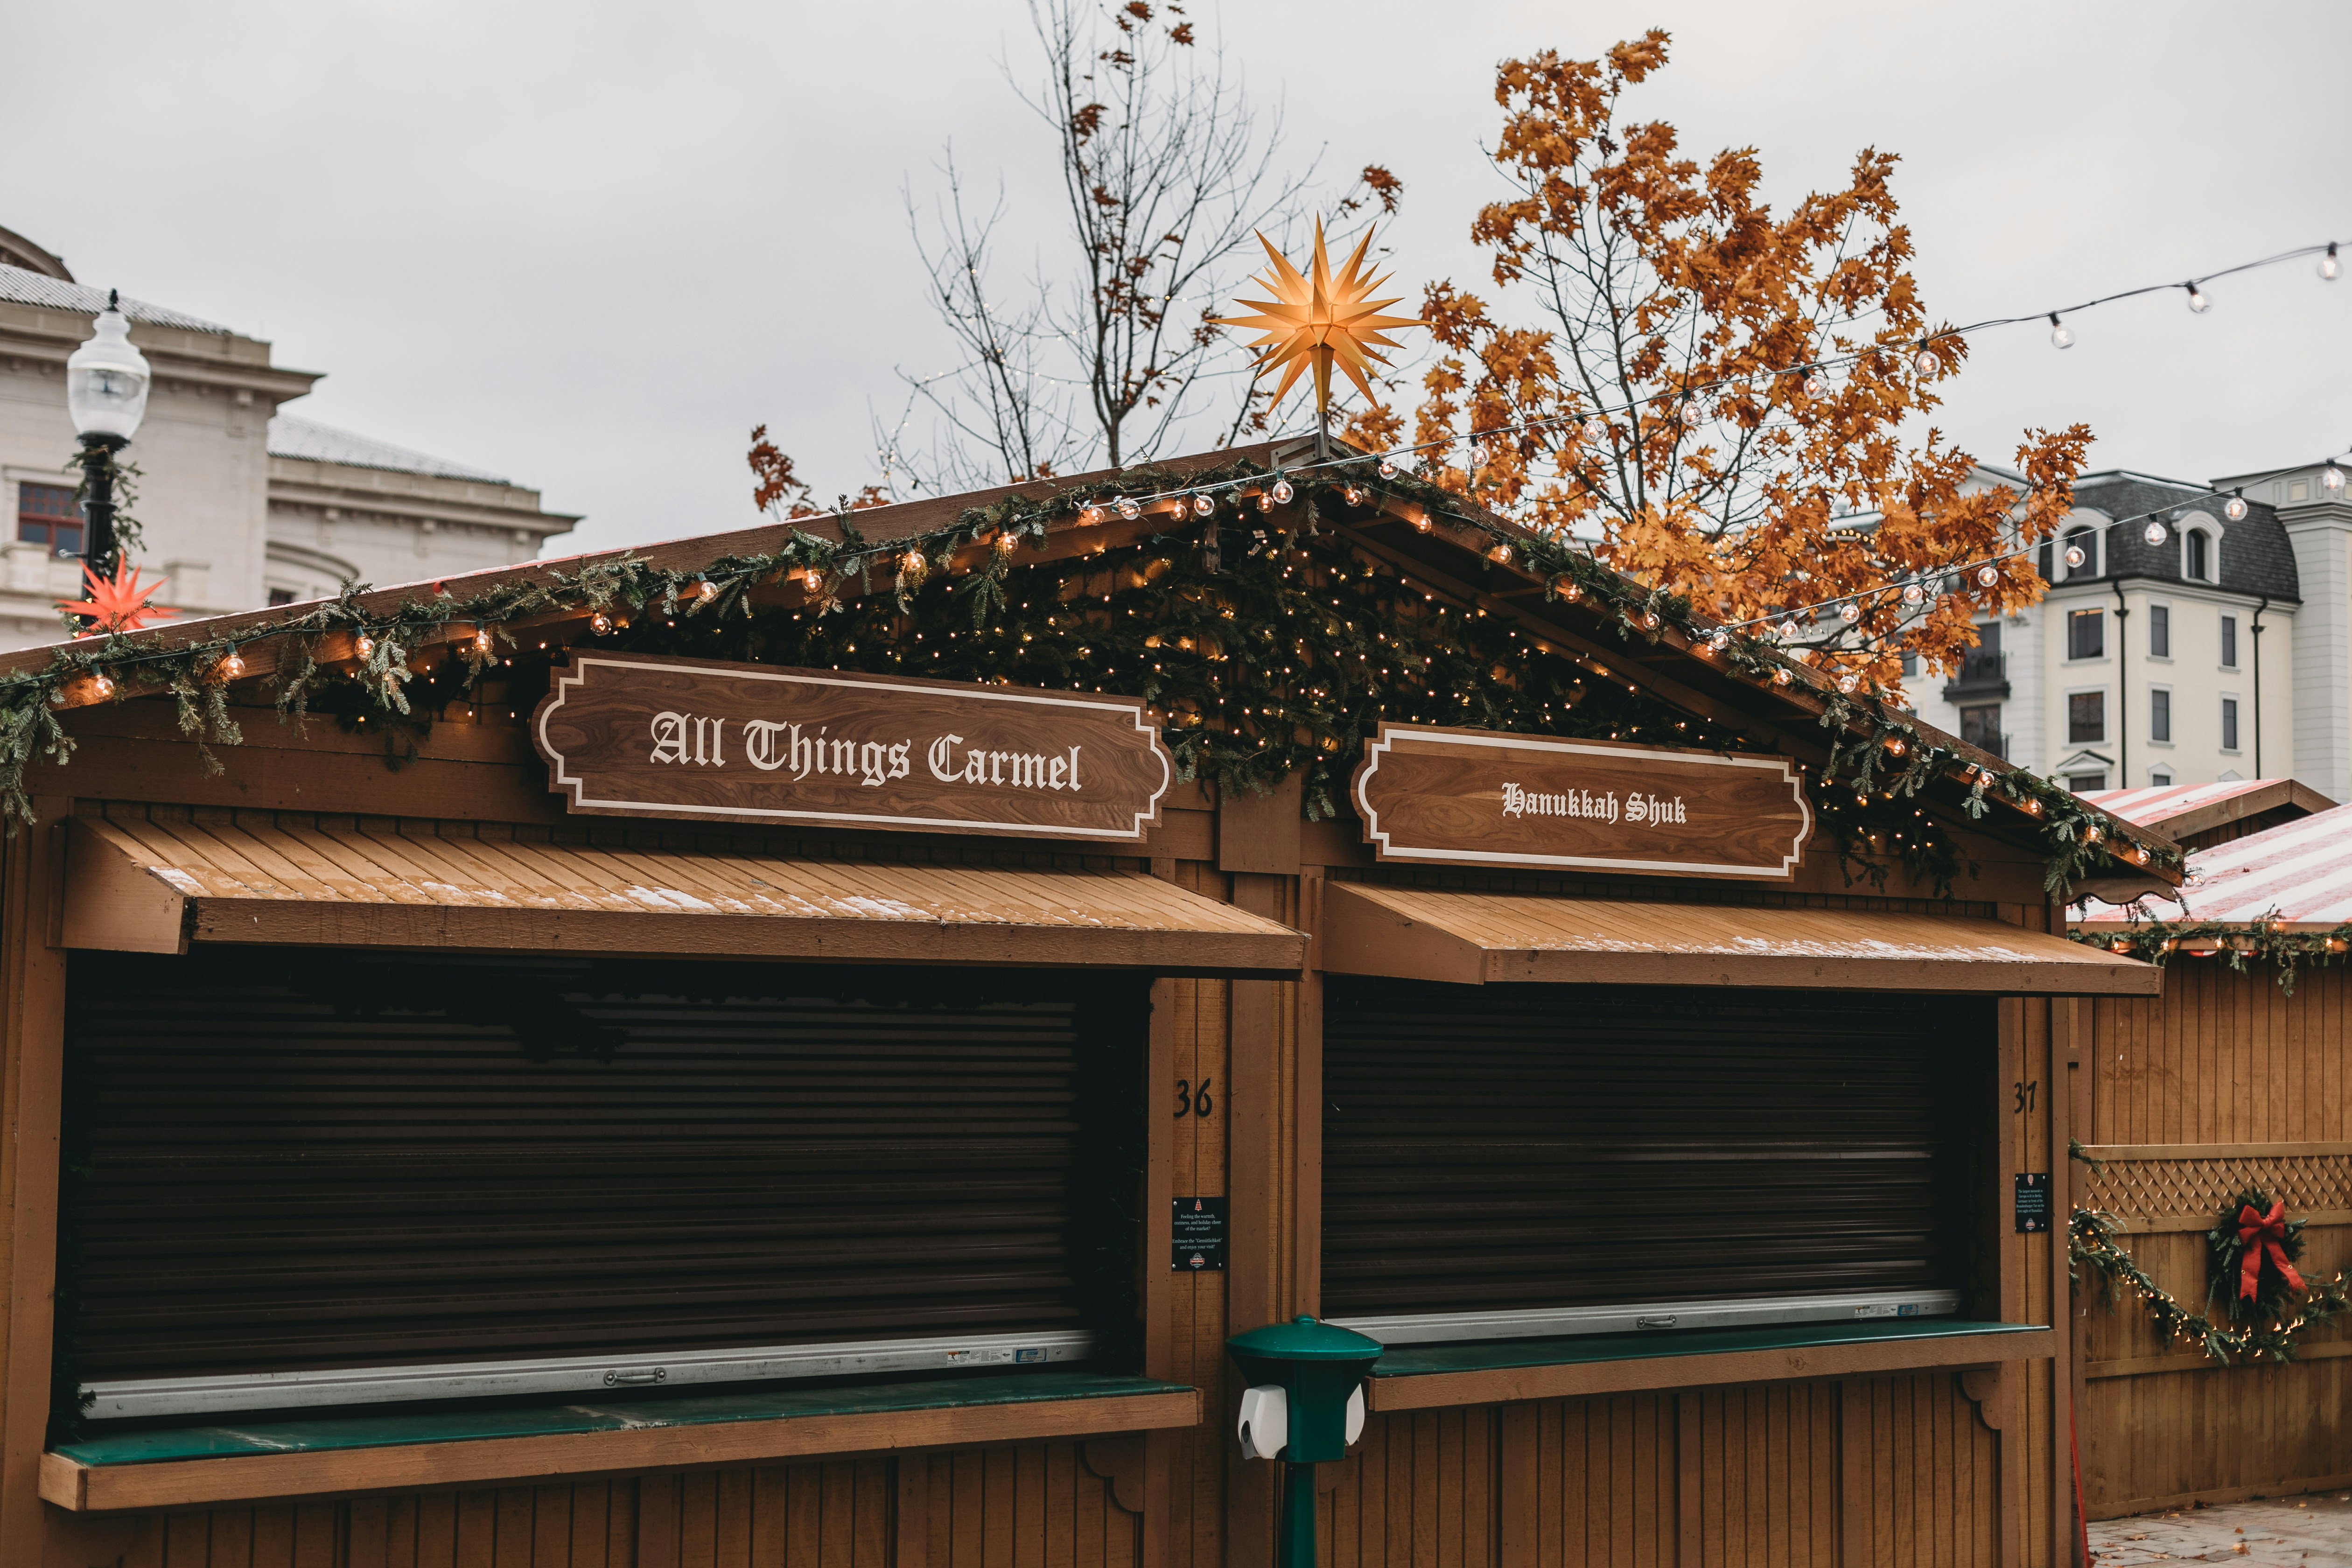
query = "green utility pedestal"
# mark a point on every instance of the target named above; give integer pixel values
(1318, 1367)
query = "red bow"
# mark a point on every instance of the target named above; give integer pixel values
(2258, 1233)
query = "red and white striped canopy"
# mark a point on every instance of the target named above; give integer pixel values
(2298, 873)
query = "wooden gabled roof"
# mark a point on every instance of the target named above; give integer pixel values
(1445, 553)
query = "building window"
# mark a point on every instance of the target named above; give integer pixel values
(2160, 631)
(2228, 723)
(2087, 540)
(45, 514)
(2198, 546)
(1910, 665)
(281, 597)
(2229, 642)
(2086, 716)
(2160, 777)
(1980, 728)
(2160, 714)
(2084, 784)
(2086, 633)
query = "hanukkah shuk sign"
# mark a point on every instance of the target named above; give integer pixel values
(1476, 798)
(631, 735)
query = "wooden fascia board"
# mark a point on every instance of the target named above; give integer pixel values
(113, 902)
(1431, 1391)
(1366, 936)
(446, 928)
(191, 1483)
(2238, 807)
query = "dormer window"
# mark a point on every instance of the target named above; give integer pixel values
(2197, 555)
(2086, 542)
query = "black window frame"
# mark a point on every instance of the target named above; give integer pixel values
(2160, 631)
(2094, 705)
(2159, 713)
(2086, 633)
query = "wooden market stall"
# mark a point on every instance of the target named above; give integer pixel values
(2198, 816)
(2235, 1078)
(698, 1057)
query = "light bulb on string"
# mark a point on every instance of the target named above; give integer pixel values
(1353, 496)
(1282, 493)
(1265, 501)
(1596, 429)
(1926, 361)
(2329, 265)
(2198, 303)
(2075, 556)
(363, 645)
(1987, 575)
(1913, 594)
(1817, 382)
(1846, 684)
(1128, 509)
(2155, 533)
(2331, 479)
(2234, 508)
(1204, 506)
(1388, 467)
(1477, 455)
(1691, 413)
(2060, 335)
(1850, 611)
(1091, 513)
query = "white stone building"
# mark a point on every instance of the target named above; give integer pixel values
(241, 506)
(2178, 662)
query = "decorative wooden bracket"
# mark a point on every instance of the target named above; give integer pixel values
(1988, 1387)
(1120, 1461)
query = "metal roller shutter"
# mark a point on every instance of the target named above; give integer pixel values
(281, 1160)
(1529, 1146)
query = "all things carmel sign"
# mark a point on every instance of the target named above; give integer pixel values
(630, 735)
(1475, 797)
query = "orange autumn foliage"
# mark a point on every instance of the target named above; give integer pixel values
(1654, 280)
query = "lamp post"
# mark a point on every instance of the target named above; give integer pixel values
(106, 393)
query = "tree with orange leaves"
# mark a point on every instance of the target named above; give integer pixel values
(1729, 401)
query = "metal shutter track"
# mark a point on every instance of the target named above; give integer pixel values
(1552, 1146)
(281, 1163)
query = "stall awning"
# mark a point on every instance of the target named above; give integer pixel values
(1476, 939)
(157, 883)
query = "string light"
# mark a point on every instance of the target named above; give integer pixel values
(2331, 479)
(2197, 299)
(1925, 362)
(2329, 265)
(1204, 505)
(2154, 533)
(1987, 575)
(1282, 493)
(2234, 508)
(1913, 594)
(1691, 413)
(363, 645)
(1596, 429)
(1387, 469)
(231, 666)
(1091, 514)
(601, 624)
(482, 643)
(1850, 611)
(1128, 510)
(101, 686)
(1816, 382)
(2060, 335)
(2075, 556)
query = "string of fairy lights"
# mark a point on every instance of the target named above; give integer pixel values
(1594, 426)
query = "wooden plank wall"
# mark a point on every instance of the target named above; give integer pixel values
(2225, 1080)
(1018, 1506)
(1888, 1472)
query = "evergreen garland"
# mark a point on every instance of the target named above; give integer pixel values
(2235, 942)
(1263, 643)
(2275, 1324)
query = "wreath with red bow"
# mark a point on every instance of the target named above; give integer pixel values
(2252, 1251)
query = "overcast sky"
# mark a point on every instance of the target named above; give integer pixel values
(590, 245)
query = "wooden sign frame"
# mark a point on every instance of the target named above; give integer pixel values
(1439, 826)
(1104, 748)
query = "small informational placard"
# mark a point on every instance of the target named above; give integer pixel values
(2033, 1201)
(1200, 1234)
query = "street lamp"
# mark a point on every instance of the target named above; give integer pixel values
(106, 393)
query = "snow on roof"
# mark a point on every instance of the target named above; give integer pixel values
(26, 287)
(292, 437)
(2299, 872)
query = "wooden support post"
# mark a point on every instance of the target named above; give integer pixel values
(1307, 1160)
(1253, 1124)
(2066, 1019)
(32, 1075)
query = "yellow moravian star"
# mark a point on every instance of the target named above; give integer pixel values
(1317, 319)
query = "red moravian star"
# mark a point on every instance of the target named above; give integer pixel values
(115, 605)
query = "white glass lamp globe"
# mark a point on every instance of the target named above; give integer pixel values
(107, 380)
